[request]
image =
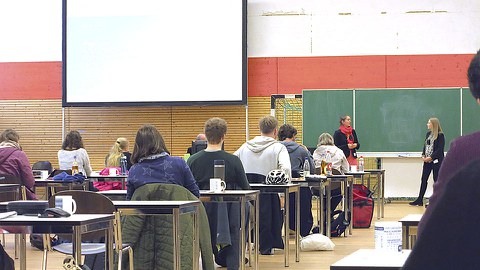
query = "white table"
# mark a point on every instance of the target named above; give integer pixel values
(286, 190)
(76, 225)
(366, 259)
(408, 221)
(241, 196)
(174, 208)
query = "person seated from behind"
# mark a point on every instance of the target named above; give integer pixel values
(13, 161)
(339, 163)
(200, 137)
(326, 144)
(298, 154)
(201, 164)
(72, 149)
(152, 163)
(119, 149)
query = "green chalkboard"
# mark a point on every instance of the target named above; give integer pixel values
(321, 112)
(395, 120)
(470, 113)
(389, 120)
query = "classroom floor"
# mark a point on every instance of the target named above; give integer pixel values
(361, 238)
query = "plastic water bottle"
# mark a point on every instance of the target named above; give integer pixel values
(219, 169)
(328, 160)
(123, 165)
(306, 168)
(361, 164)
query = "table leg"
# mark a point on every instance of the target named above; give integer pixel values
(405, 237)
(320, 212)
(383, 194)
(196, 246)
(23, 252)
(77, 245)
(379, 191)
(257, 231)
(176, 239)
(350, 204)
(297, 225)
(242, 233)
(328, 206)
(286, 227)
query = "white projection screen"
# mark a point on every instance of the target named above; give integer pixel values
(154, 52)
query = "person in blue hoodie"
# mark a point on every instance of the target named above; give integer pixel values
(152, 163)
(298, 155)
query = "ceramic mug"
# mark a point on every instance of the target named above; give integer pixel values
(67, 203)
(353, 168)
(112, 171)
(217, 185)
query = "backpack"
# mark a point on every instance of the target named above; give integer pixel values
(338, 224)
(363, 205)
(6, 262)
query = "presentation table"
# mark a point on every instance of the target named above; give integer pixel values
(241, 196)
(372, 259)
(76, 225)
(286, 190)
(409, 221)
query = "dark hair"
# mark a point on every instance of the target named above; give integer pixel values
(148, 142)
(9, 135)
(286, 131)
(474, 76)
(267, 124)
(215, 129)
(72, 141)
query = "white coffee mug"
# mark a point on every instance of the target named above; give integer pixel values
(217, 185)
(112, 171)
(353, 168)
(67, 203)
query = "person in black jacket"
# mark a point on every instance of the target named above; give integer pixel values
(432, 156)
(346, 139)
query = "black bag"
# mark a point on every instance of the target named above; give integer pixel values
(338, 224)
(6, 262)
(36, 240)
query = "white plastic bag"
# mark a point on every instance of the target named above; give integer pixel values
(316, 241)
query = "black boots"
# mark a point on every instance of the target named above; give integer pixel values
(417, 202)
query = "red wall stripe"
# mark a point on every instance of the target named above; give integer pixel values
(278, 75)
(37, 80)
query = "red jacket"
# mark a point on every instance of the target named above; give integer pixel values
(15, 162)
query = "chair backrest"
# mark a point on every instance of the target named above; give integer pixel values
(336, 172)
(11, 179)
(43, 165)
(255, 178)
(88, 203)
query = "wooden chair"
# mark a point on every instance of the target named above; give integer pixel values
(91, 203)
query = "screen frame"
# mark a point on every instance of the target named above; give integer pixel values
(244, 75)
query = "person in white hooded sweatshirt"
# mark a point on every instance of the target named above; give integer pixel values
(259, 156)
(325, 143)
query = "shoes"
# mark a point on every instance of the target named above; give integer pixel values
(267, 252)
(416, 203)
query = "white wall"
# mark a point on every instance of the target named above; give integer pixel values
(369, 27)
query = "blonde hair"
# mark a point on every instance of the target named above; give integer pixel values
(436, 127)
(116, 152)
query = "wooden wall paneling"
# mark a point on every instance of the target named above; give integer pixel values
(187, 122)
(39, 124)
(257, 108)
(100, 127)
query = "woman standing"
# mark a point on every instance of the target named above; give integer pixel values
(152, 163)
(432, 156)
(346, 139)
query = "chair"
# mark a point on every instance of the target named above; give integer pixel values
(91, 203)
(43, 165)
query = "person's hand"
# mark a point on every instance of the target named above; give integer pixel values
(352, 145)
(427, 159)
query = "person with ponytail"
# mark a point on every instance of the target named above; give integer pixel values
(432, 156)
(346, 139)
(120, 148)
